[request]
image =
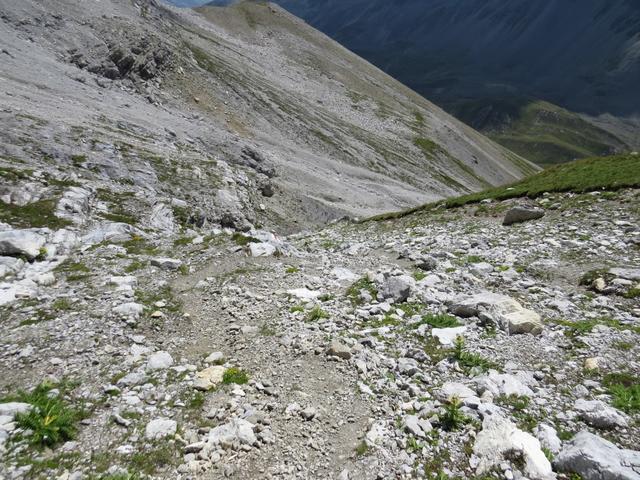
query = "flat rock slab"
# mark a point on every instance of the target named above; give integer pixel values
(447, 336)
(166, 263)
(632, 274)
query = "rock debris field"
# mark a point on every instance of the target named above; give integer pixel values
(442, 344)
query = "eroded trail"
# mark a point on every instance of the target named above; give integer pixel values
(307, 402)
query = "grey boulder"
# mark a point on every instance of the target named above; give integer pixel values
(600, 415)
(397, 288)
(233, 434)
(15, 243)
(166, 263)
(522, 214)
(595, 458)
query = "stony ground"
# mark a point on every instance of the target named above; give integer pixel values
(438, 345)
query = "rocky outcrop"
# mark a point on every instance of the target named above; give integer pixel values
(594, 458)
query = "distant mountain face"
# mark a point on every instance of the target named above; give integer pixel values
(581, 54)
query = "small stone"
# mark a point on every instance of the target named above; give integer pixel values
(339, 349)
(209, 378)
(235, 433)
(159, 361)
(308, 413)
(413, 427)
(166, 263)
(447, 336)
(591, 364)
(215, 357)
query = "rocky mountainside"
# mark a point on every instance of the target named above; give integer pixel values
(235, 116)
(495, 340)
(160, 320)
(492, 63)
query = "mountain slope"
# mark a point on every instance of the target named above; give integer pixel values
(540, 131)
(245, 92)
(477, 58)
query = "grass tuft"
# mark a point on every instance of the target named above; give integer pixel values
(625, 390)
(316, 313)
(235, 375)
(469, 360)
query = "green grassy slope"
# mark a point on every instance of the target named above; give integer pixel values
(537, 130)
(589, 174)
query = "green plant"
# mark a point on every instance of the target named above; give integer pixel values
(243, 240)
(469, 360)
(164, 294)
(196, 401)
(564, 435)
(291, 269)
(452, 418)
(624, 346)
(235, 375)
(155, 458)
(362, 449)
(429, 147)
(134, 266)
(582, 327)
(625, 390)
(78, 160)
(139, 246)
(267, 331)
(51, 420)
(353, 292)
(121, 476)
(182, 241)
(547, 453)
(419, 275)
(316, 313)
(413, 445)
(75, 271)
(591, 276)
(62, 304)
(440, 320)
(632, 293)
(516, 402)
(36, 214)
(296, 308)
(586, 175)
